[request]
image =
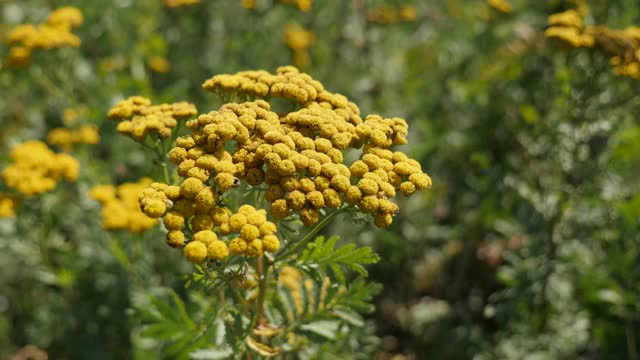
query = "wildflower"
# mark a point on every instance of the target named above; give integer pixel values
(238, 246)
(299, 40)
(121, 209)
(19, 57)
(65, 16)
(138, 117)
(8, 204)
(158, 64)
(296, 157)
(174, 221)
(55, 32)
(389, 15)
(175, 238)
(66, 139)
(270, 243)
(500, 6)
(35, 169)
(195, 251)
(191, 187)
(569, 18)
(303, 5)
(217, 250)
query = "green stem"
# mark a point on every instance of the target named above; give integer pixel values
(297, 246)
(263, 273)
(165, 172)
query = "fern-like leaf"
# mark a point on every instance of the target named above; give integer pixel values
(322, 257)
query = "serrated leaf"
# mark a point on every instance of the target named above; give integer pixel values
(164, 309)
(324, 328)
(161, 331)
(350, 317)
(181, 310)
(281, 305)
(321, 255)
(304, 297)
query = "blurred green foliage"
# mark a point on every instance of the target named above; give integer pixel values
(527, 247)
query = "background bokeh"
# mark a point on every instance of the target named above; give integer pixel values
(526, 247)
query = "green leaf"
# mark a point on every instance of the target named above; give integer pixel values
(350, 317)
(162, 331)
(358, 296)
(181, 310)
(324, 328)
(211, 354)
(119, 254)
(321, 255)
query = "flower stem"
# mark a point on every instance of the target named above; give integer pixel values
(165, 172)
(263, 273)
(298, 245)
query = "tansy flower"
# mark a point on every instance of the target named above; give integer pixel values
(500, 6)
(8, 204)
(55, 32)
(297, 158)
(138, 117)
(158, 64)
(35, 169)
(121, 209)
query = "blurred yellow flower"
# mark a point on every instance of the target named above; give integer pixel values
(55, 32)
(158, 64)
(303, 5)
(387, 15)
(299, 40)
(35, 169)
(146, 119)
(66, 16)
(248, 4)
(7, 205)
(179, 3)
(66, 139)
(71, 115)
(623, 46)
(500, 6)
(120, 206)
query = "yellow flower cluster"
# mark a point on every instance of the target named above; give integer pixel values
(389, 15)
(146, 118)
(179, 3)
(623, 46)
(303, 5)
(72, 114)
(500, 6)
(195, 206)
(120, 206)
(299, 40)
(568, 27)
(299, 156)
(287, 83)
(36, 169)
(66, 139)
(8, 204)
(158, 64)
(55, 32)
